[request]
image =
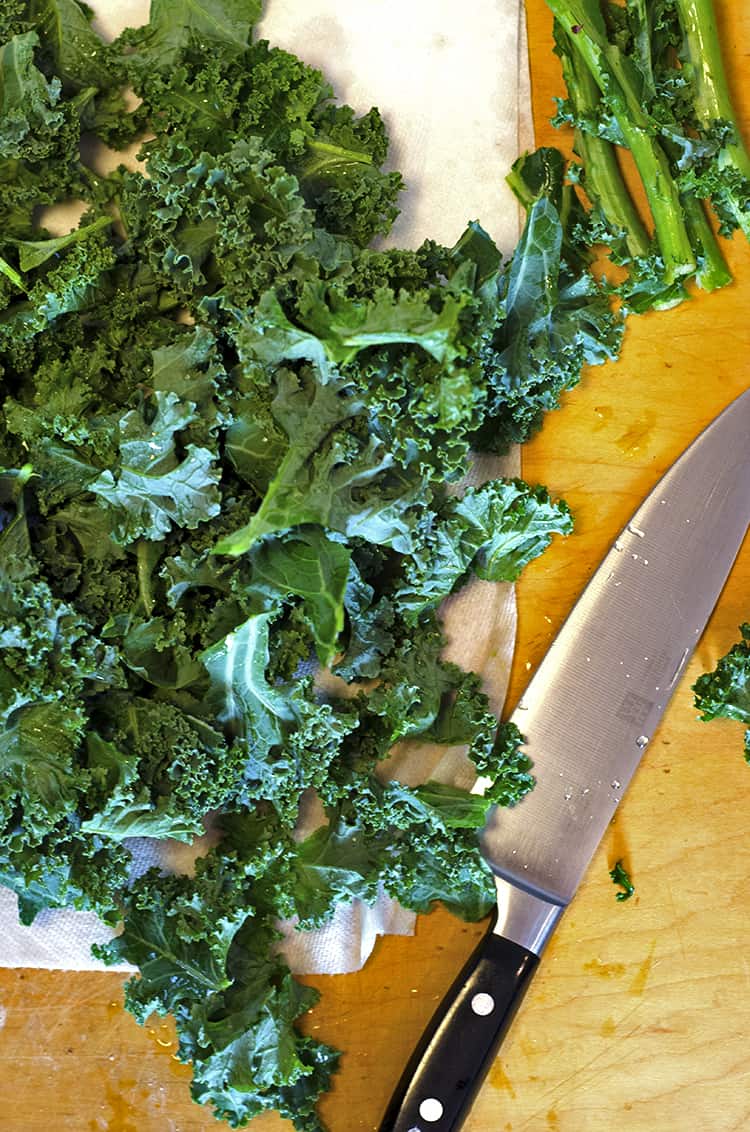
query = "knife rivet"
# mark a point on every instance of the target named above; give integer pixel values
(483, 1004)
(431, 1109)
(642, 741)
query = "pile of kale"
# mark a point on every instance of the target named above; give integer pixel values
(232, 437)
(229, 429)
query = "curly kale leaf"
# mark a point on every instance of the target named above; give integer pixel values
(30, 116)
(334, 473)
(336, 157)
(69, 45)
(239, 693)
(288, 740)
(620, 876)
(129, 809)
(65, 288)
(347, 326)
(49, 661)
(556, 321)
(419, 843)
(314, 568)
(369, 624)
(33, 253)
(223, 226)
(160, 752)
(40, 131)
(192, 369)
(65, 870)
(494, 530)
(153, 488)
(205, 950)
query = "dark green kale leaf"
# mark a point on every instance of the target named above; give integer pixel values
(192, 369)
(65, 870)
(153, 488)
(129, 809)
(14, 19)
(65, 288)
(556, 321)
(205, 951)
(33, 253)
(31, 118)
(70, 48)
(49, 661)
(174, 24)
(288, 740)
(494, 530)
(369, 623)
(264, 92)
(40, 131)
(314, 568)
(336, 472)
(223, 226)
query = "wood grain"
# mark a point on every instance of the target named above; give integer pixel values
(640, 1015)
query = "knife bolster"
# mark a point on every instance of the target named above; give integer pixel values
(526, 919)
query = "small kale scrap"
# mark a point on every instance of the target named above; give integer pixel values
(725, 692)
(621, 877)
(232, 440)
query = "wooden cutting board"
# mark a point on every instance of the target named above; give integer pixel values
(639, 1018)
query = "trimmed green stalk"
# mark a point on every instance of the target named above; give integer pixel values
(583, 23)
(712, 98)
(604, 183)
(711, 271)
(604, 180)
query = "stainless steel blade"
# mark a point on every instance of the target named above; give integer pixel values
(595, 700)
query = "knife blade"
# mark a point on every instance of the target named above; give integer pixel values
(587, 717)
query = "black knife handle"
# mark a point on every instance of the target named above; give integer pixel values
(459, 1045)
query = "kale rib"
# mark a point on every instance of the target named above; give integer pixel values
(604, 182)
(614, 75)
(713, 104)
(711, 269)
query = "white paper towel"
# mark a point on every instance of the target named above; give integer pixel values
(456, 98)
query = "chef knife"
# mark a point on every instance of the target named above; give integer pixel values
(587, 716)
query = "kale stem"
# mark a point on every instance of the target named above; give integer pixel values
(583, 23)
(12, 274)
(711, 271)
(603, 182)
(711, 90)
(145, 566)
(711, 95)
